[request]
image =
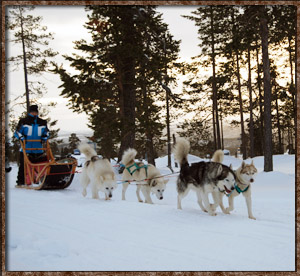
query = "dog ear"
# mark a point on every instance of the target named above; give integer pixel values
(166, 181)
(153, 183)
(219, 170)
(230, 167)
(243, 164)
(252, 163)
(101, 178)
(113, 176)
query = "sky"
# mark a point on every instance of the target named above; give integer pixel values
(67, 24)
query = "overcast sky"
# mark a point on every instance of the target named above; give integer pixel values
(66, 22)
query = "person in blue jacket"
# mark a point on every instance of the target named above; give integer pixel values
(31, 128)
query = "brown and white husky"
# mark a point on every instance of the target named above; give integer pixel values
(245, 175)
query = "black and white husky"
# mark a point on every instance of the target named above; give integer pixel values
(98, 172)
(202, 177)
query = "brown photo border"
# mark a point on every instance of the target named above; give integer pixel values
(169, 3)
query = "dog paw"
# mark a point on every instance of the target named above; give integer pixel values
(227, 210)
(84, 192)
(212, 214)
(141, 201)
(213, 207)
(251, 217)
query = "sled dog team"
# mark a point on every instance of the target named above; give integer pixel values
(202, 177)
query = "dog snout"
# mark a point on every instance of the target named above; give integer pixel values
(232, 188)
(251, 180)
(161, 198)
(110, 195)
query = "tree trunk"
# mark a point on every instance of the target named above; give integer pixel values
(260, 100)
(236, 54)
(174, 142)
(128, 122)
(214, 127)
(293, 92)
(168, 132)
(222, 132)
(149, 138)
(25, 66)
(278, 125)
(214, 86)
(268, 158)
(128, 93)
(251, 131)
(243, 147)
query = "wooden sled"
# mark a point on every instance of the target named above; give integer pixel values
(44, 172)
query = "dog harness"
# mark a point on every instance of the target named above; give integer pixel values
(238, 189)
(136, 168)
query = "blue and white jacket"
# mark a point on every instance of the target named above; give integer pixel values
(32, 128)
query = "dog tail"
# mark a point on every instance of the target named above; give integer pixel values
(218, 156)
(87, 150)
(128, 156)
(181, 150)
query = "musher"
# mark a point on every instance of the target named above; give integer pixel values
(31, 128)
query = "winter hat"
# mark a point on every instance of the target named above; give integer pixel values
(33, 108)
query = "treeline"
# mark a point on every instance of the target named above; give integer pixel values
(248, 56)
(245, 69)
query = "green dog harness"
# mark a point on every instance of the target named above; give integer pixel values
(238, 189)
(136, 168)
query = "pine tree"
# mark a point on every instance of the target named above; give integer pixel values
(209, 20)
(268, 149)
(36, 55)
(73, 141)
(119, 72)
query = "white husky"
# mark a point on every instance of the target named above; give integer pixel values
(98, 172)
(147, 177)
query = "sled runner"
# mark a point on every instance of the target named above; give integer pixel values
(44, 172)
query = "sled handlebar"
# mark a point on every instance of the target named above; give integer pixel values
(34, 140)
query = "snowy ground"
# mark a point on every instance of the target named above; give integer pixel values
(63, 231)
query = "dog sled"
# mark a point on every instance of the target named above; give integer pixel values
(46, 173)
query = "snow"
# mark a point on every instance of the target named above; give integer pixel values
(63, 231)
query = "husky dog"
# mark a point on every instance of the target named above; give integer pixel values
(218, 157)
(98, 172)
(203, 177)
(245, 175)
(140, 173)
